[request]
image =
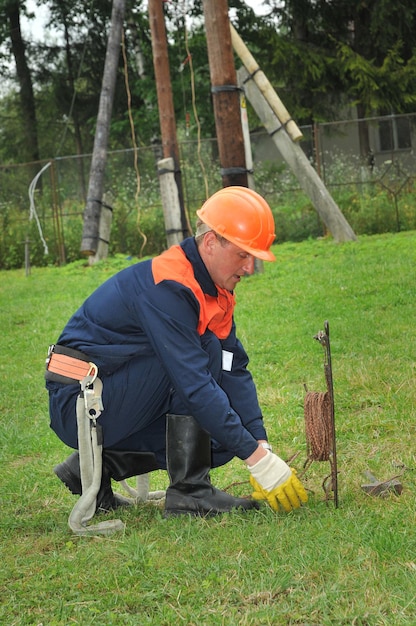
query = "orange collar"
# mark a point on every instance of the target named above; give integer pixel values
(215, 312)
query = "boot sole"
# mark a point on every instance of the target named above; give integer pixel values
(210, 513)
(168, 514)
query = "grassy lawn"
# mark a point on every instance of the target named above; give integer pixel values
(355, 565)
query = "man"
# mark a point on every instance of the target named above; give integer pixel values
(177, 393)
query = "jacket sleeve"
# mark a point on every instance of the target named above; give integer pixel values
(239, 385)
(169, 314)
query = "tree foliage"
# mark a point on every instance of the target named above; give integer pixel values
(321, 55)
(331, 53)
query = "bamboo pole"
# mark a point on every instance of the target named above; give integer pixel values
(298, 162)
(264, 86)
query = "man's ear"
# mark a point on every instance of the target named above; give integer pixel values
(210, 241)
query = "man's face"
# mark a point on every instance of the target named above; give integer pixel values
(227, 263)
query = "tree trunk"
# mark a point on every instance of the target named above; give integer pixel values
(30, 150)
(363, 136)
(77, 130)
(363, 45)
(90, 235)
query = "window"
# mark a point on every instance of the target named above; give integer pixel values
(395, 134)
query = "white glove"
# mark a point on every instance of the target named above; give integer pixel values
(271, 471)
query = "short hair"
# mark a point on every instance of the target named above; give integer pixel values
(202, 229)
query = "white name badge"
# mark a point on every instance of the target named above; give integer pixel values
(227, 360)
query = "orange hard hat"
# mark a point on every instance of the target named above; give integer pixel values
(243, 217)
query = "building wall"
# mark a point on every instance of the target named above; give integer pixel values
(392, 138)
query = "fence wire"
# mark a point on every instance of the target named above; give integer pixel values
(373, 183)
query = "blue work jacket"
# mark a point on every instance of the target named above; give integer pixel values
(131, 318)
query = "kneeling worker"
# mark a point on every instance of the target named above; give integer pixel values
(177, 393)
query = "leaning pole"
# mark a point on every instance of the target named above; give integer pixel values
(92, 213)
(285, 136)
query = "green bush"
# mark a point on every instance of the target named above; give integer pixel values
(371, 206)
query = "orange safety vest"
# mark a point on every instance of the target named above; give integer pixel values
(215, 312)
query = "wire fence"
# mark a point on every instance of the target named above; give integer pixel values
(374, 189)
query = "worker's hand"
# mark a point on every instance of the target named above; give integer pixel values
(274, 481)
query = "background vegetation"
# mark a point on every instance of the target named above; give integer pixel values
(323, 58)
(318, 566)
(138, 227)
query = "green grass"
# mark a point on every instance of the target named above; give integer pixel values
(355, 565)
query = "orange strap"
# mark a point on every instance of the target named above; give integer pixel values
(69, 366)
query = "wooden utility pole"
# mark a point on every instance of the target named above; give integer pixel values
(165, 101)
(90, 235)
(170, 201)
(225, 93)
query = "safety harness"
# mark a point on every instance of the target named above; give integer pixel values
(65, 365)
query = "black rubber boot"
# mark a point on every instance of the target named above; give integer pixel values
(117, 464)
(188, 455)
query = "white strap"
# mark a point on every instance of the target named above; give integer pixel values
(142, 493)
(89, 407)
